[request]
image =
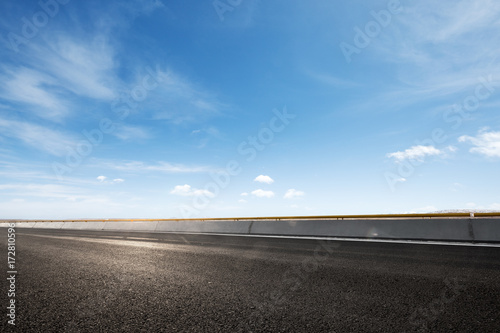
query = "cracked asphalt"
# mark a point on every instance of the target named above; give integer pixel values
(83, 281)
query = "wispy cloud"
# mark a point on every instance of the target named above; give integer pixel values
(85, 68)
(57, 201)
(103, 179)
(127, 132)
(151, 5)
(57, 71)
(331, 80)
(485, 143)
(38, 173)
(426, 43)
(293, 193)
(205, 135)
(36, 89)
(51, 79)
(451, 21)
(138, 166)
(179, 100)
(36, 136)
(43, 190)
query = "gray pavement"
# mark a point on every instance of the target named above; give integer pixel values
(83, 281)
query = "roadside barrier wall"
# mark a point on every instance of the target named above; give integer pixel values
(445, 229)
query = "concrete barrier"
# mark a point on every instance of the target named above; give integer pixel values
(95, 225)
(486, 230)
(74, 225)
(223, 227)
(48, 225)
(414, 229)
(438, 229)
(131, 225)
(25, 224)
(90, 225)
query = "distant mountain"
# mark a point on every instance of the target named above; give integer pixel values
(464, 211)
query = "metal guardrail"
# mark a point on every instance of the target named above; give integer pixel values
(277, 218)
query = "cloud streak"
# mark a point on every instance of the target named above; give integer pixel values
(263, 194)
(164, 167)
(36, 136)
(293, 193)
(485, 143)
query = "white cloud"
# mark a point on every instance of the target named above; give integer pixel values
(183, 190)
(103, 179)
(242, 201)
(244, 194)
(264, 179)
(186, 190)
(293, 193)
(419, 153)
(263, 194)
(486, 143)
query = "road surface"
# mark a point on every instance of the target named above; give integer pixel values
(84, 281)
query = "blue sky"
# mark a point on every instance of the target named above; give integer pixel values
(160, 109)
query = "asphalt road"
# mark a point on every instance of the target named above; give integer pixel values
(81, 281)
